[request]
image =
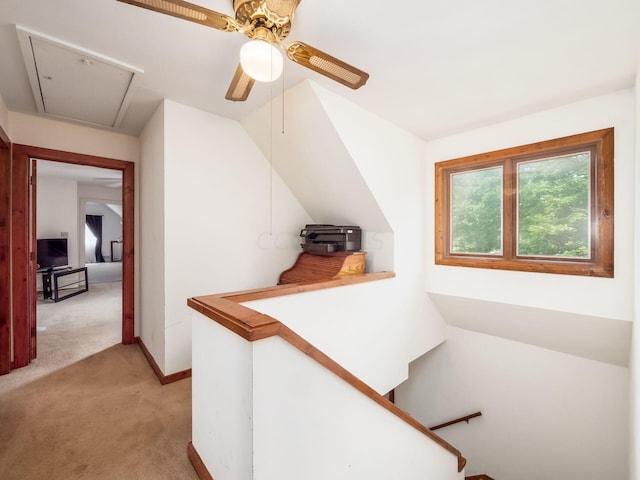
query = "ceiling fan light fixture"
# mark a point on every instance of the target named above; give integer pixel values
(261, 60)
(267, 23)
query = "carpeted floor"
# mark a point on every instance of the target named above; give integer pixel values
(99, 415)
(71, 330)
(104, 272)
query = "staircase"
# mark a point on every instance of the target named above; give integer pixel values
(465, 418)
(289, 411)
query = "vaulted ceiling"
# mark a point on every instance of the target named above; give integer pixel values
(436, 67)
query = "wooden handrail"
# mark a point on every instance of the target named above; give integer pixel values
(251, 325)
(466, 418)
(478, 477)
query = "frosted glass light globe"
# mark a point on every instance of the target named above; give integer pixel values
(261, 61)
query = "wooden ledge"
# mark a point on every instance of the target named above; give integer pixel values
(292, 288)
(226, 310)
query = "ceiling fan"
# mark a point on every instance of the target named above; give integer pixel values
(267, 23)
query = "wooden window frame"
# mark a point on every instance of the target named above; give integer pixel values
(602, 229)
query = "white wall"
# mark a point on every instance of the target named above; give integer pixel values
(222, 399)
(211, 221)
(274, 413)
(361, 169)
(635, 340)
(545, 414)
(217, 218)
(57, 212)
(47, 133)
(587, 400)
(309, 154)
(359, 326)
(392, 163)
(601, 297)
(151, 224)
(308, 423)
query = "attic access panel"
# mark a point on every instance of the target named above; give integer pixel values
(74, 83)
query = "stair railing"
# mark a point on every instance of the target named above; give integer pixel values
(466, 418)
(226, 310)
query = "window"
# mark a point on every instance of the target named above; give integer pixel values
(544, 207)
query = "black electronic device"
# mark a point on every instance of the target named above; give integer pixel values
(322, 238)
(52, 253)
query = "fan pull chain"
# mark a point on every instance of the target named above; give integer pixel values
(271, 161)
(283, 69)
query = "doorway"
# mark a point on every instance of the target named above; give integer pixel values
(23, 244)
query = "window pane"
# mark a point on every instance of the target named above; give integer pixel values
(554, 207)
(476, 211)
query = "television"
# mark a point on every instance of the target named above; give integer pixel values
(52, 252)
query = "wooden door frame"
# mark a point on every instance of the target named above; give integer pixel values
(23, 266)
(5, 245)
(33, 203)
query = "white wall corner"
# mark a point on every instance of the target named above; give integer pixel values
(312, 159)
(151, 255)
(392, 163)
(634, 439)
(229, 222)
(365, 171)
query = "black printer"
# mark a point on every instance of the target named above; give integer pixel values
(321, 238)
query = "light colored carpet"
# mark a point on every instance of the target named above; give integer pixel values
(89, 407)
(71, 330)
(104, 272)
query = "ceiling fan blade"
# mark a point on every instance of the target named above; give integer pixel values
(327, 65)
(188, 11)
(240, 87)
(283, 8)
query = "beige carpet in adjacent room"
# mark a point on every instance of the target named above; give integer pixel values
(71, 330)
(101, 416)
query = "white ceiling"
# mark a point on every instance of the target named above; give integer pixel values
(436, 66)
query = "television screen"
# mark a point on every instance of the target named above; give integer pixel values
(52, 252)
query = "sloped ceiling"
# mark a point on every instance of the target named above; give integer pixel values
(602, 339)
(305, 149)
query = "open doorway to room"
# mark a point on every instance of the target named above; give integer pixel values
(29, 225)
(78, 225)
